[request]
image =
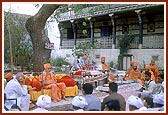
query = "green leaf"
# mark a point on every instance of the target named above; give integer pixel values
(84, 31)
(84, 24)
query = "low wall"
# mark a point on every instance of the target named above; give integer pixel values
(141, 56)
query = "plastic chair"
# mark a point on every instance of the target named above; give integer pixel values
(14, 106)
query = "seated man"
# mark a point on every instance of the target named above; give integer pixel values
(77, 65)
(114, 95)
(159, 84)
(154, 69)
(127, 74)
(135, 73)
(147, 68)
(104, 67)
(94, 103)
(112, 105)
(48, 82)
(149, 88)
(84, 62)
(158, 103)
(158, 100)
(15, 88)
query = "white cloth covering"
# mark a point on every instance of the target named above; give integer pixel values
(79, 101)
(135, 101)
(43, 101)
(158, 98)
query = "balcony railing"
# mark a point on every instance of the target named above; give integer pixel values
(153, 42)
(102, 43)
(149, 42)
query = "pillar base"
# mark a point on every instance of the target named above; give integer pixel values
(113, 46)
(140, 46)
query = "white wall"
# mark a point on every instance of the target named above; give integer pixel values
(145, 55)
(139, 56)
(54, 36)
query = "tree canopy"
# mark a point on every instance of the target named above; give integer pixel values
(20, 42)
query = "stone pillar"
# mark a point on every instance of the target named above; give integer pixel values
(92, 30)
(61, 32)
(113, 30)
(74, 31)
(140, 29)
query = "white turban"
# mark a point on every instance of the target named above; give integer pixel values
(43, 101)
(158, 98)
(135, 101)
(79, 101)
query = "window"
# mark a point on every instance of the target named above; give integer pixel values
(105, 31)
(124, 29)
(70, 34)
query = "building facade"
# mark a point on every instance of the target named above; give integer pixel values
(106, 23)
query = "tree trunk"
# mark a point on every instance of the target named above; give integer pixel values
(35, 27)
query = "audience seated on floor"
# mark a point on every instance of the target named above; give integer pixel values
(149, 87)
(114, 95)
(94, 103)
(158, 101)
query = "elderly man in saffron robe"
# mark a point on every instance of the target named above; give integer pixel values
(104, 66)
(127, 77)
(135, 73)
(49, 82)
(155, 69)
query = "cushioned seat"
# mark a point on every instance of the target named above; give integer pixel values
(70, 91)
(71, 88)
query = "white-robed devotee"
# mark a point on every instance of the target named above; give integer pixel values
(16, 88)
(149, 87)
(158, 102)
